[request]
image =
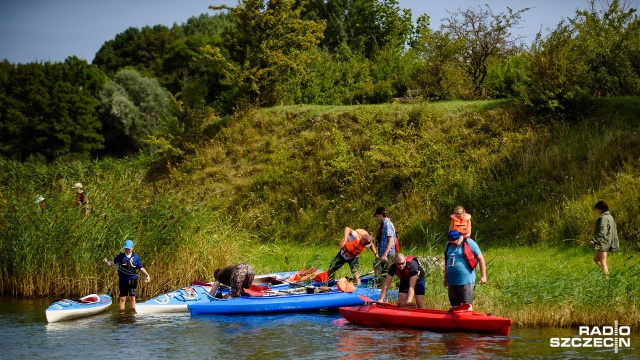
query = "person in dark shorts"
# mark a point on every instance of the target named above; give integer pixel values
(353, 244)
(237, 277)
(412, 281)
(127, 264)
(605, 236)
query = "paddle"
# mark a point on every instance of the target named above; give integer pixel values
(367, 299)
(117, 267)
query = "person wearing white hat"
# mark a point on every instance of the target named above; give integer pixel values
(81, 197)
(40, 201)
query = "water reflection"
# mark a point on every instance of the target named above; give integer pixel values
(124, 317)
(25, 334)
(363, 342)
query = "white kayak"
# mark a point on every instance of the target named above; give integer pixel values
(70, 309)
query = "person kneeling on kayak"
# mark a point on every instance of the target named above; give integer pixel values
(411, 277)
(237, 277)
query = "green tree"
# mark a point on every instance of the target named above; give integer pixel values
(47, 111)
(181, 131)
(484, 35)
(131, 106)
(608, 42)
(142, 49)
(435, 65)
(269, 44)
(594, 53)
(371, 25)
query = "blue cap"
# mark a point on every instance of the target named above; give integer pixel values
(454, 235)
(128, 244)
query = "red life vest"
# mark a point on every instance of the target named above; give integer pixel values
(404, 273)
(355, 247)
(462, 224)
(468, 254)
(81, 198)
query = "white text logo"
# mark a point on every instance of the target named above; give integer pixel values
(597, 337)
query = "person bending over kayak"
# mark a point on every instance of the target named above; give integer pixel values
(127, 263)
(352, 245)
(411, 277)
(462, 256)
(237, 277)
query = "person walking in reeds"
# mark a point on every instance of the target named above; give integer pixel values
(82, 200)
(605, 237)
(127, 263)
(41, 202)
(461, 221)
(352, 245)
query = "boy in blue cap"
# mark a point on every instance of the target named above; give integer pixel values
(127, 263)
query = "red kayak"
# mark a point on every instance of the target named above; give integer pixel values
(389, 315)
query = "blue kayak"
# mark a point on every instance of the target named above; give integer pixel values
(176, 301)
(293, 302)
(71, 309)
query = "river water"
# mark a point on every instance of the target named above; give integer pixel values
(25, 334)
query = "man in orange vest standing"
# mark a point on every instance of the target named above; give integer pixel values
(462, 256)
(352, 245)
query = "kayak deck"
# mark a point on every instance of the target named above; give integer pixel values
(389, 315)
(293, 302)
(70, 309)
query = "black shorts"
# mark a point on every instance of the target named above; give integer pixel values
(339, 260)
(128, 287)
(419, 289)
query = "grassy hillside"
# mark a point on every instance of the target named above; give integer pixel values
(272, 182)
(302, 173)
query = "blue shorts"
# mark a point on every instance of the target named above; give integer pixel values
(419, 289)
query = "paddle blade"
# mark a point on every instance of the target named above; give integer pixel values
(251, 292)
(365, 299)
(321, 277)
(306, 271)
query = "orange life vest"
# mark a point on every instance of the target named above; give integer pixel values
(355, 247)
(462, 224)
